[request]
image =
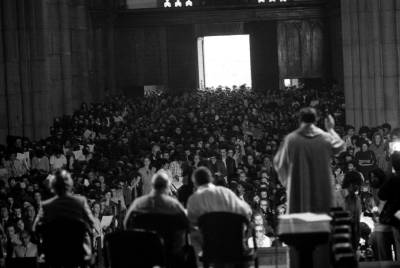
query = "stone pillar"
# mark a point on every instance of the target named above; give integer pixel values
(371, 61)
(11, 52)
(111, 82)
(4, 109)
(24, 23)
(65, 54)
(390, 61)
(42, 45)
(80, 54)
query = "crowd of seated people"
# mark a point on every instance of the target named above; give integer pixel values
(114, 148)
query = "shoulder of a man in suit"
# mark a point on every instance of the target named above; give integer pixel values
(79, 198)
(49, 201)
(72, 197)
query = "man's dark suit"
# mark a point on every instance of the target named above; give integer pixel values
(218, 168)
(230, 167)
(69, 207)
(65, 223)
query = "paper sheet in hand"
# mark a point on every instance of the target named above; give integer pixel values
(106, 221)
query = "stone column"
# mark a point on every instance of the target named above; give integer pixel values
(371, 61)
(11, 52)
(4, 108)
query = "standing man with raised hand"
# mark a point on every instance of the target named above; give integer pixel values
(303, 163)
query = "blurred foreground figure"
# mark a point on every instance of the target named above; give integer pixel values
(211, 198)
(65, 223)
(303, 166)
(389, 192)
(158, 200)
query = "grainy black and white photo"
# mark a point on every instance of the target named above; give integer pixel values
(199, 134)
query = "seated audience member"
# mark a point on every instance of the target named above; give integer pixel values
(229, 164)
(146, 172)
(211, 198)
(27, 249)
(15, 166)
(58, 161)
(218, 170)
(5, 219)
(350, 133)
(109, 206)
(157, 201)
(352, 183)
(30, 217)
(40, 162)
(98, 229)
(118, 197)
(245, 125)
(13, 240)
(339, 193)
(379, 148)
(389, 192)
(186, 190)
(262, 240)
(259, 219)
(365, 160)
(65, 206)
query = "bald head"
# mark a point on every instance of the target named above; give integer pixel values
(160, 181)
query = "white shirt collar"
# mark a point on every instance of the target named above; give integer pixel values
(205, 186)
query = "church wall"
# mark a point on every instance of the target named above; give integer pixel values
(45, 64)
(371, 34)
(158, 47)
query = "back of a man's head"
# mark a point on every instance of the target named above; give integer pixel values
(202, 176)
(61, 183)
(352, 178)
(160, 181)
(395, 158)
(308, 115)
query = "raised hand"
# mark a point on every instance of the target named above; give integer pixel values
(329, 123)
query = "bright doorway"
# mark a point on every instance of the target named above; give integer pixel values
(224, 61)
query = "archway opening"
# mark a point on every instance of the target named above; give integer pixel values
(224, 61)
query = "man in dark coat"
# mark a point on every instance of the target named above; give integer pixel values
(389, 192)
(229, 164)
(218, 170)
(64, 221)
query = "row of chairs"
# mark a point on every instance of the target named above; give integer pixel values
(163, 240)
